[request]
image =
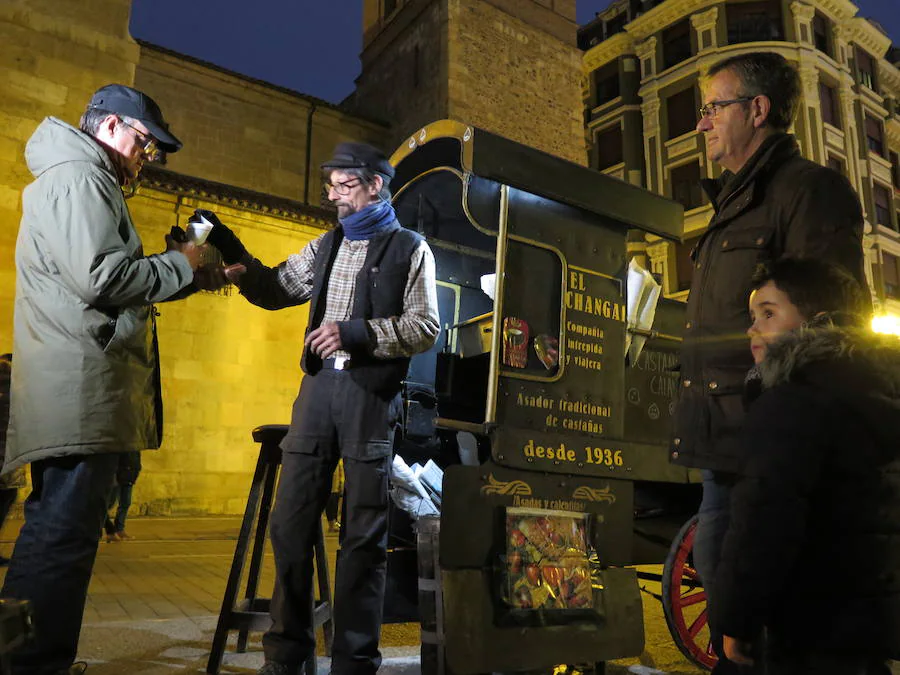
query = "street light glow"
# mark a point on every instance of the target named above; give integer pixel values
(886, 323)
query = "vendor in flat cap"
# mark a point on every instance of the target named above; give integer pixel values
(371, 288)
(85, 388)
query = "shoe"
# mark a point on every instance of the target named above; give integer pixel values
(113, 538)
(76, 668)
(275, 668)
(124, 536)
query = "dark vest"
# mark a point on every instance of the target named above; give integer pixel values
(380, 287)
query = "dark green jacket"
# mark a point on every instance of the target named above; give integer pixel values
(85, 379)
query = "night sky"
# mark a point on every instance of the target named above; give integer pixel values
(310, 47)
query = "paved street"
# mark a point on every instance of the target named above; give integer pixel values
(154, 602)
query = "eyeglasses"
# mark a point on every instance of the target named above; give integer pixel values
(343, 189)
(712, 108)
(148, 143)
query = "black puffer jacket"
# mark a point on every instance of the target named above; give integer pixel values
(778, 205)
(813, 549)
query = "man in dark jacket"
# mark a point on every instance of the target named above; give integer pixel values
(769, 203)
(812, 552)
(373, 304)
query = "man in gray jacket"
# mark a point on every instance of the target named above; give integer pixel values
(85, 386)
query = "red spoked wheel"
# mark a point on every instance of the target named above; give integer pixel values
(684, 600)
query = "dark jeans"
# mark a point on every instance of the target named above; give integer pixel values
(54, 555)
(333, 417)
(712, 524)
(120, 494)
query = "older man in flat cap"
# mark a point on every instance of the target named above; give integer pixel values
(85, 388)
(373, 304)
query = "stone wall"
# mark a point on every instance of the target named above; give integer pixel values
(514, 79)
(404, 76)
(508, 66)
(227, 366)
(243, 132)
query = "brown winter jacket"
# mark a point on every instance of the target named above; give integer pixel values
(778, 205)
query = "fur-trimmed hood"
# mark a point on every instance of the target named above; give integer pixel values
(796, 351)
(855, 365)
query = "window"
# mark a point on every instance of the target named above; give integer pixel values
(828, 99)
(754, 21)
(865, 68)
(676, 43)
(890, 270)
(616, 25)
(895, 170)
(609, 148)
(686, 188)
(822, 33)
(835, 164)
(606, 82)
(684, 266)
(681, 109)
(882, 205)
(874, 135)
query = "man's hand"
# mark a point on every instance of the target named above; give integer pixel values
(222, 238)
(737, 651)
(210, 277)
(324, 340)
(234, 273)
(191, 251)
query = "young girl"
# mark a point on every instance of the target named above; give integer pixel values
(812, 553)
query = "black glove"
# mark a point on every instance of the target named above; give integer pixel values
(178, 234)
(222, 238)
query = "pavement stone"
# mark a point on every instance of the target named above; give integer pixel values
(154, 601)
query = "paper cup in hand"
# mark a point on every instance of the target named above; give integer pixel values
(198, 231)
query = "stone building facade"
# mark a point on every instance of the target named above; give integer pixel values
(507, 66)
(642, 64)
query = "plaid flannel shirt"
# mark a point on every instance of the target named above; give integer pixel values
(291, 283)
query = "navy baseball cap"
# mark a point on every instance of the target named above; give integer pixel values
(122, 100)
(360, 156)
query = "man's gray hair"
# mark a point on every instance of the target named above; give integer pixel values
(93, 118)
(767, 74)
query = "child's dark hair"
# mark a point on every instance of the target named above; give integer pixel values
(816, 287)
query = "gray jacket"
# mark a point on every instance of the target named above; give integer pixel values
(86, 374)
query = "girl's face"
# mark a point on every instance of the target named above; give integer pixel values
(771, 314)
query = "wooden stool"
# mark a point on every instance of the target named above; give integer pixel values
(252, 613)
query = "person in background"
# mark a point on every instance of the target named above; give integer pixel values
(120, 496)
(11, 482)
(86, 383)
(769, 203)
(371, 287)
(812, 551)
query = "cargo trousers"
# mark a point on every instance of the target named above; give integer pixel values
(333, 417)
